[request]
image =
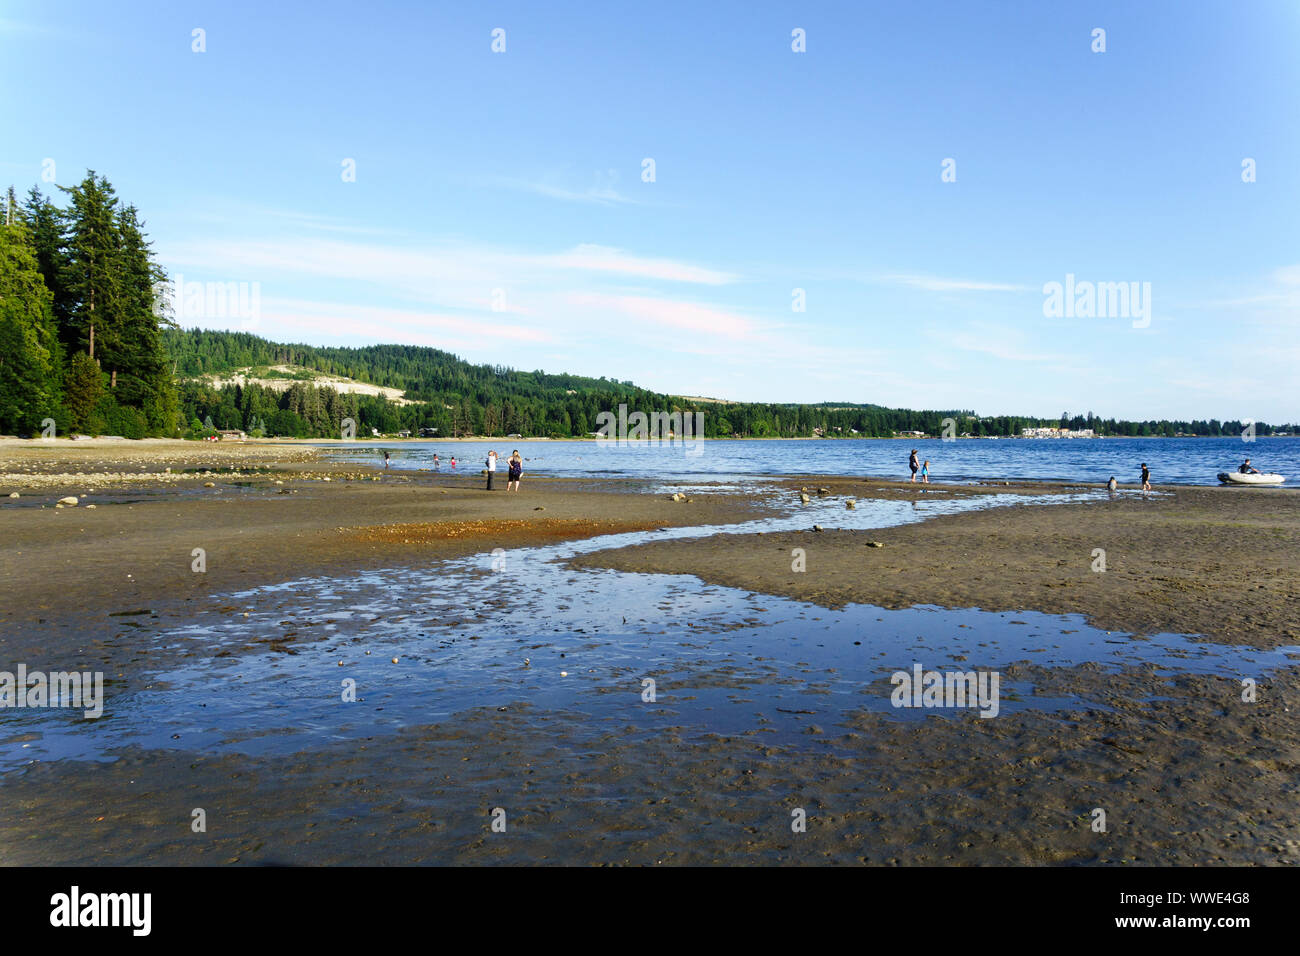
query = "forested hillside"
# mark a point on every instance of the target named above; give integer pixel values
(86, 343)
(458, 398)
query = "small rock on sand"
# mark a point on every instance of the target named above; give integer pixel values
(70, 501)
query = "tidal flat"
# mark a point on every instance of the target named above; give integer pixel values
(401, 667)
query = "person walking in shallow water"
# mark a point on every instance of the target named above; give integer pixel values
(925, 472)
(516, 470)
(385, 459)
(1146, 477)
(911, 463)
(491, 468)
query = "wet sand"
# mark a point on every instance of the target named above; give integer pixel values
(1222, 562)
(1195, 778)
(282, 515)
(1186, 771)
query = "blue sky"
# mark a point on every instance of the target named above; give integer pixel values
(499, 211)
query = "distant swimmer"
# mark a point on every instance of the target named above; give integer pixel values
(1248, 469)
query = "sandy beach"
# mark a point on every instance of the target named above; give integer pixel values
(1186, 771)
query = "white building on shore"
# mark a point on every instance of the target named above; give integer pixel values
(1057, 433)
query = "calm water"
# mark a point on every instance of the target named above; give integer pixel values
(1188, 461)
(527, 629)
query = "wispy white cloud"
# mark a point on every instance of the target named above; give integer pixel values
(259, 218)
(419, 266)
(939, 284)
(1276, 299)
(605, 259)
(999, 341)
(603, 189)
(690, 317)
(344, 322)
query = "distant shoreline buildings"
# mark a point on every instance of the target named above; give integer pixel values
(1057, 433)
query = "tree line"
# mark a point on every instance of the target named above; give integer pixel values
(458, 398)
(80, 336)
(87, 344)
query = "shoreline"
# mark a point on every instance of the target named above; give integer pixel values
(41, 457)
(740, 733)
(292, 510)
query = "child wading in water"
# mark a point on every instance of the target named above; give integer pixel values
(516, 471)
(1146, 478)
(925, 472)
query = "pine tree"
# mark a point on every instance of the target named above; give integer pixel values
(144, 372)
(92, 281)
(44, 222)
(28, 373)
(83, 390)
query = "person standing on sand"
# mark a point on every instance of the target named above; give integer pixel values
(491, 468)
(911, 463)
(1146, 478)
(925, 472)
(516, 471)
